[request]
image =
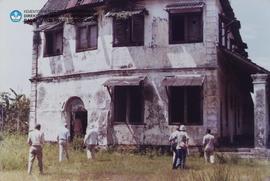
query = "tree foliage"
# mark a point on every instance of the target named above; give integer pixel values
(16, 108)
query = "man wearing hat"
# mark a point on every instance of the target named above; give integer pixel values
(181, 147)
(63, 139)
(36, 141)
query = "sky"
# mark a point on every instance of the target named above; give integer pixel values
(16, 46)
(16, 39)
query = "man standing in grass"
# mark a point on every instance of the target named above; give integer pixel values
(90, 141)
(173, 143)
(181, 148)
(36, 141)
(208, 144)
(63, 139)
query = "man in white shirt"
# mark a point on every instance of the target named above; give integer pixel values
(208, 144)
(36, 141)
(91, 140)
(63, 139)
(181, 148)
(173, 142)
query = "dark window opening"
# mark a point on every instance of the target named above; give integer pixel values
(128, 104)
(54, 43)
(128, 32)
(87, 37)
(185, 28)
(185, 105)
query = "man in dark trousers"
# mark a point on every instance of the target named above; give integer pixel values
(181, 148)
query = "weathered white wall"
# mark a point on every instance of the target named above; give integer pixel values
(156, 53)
(52, 97)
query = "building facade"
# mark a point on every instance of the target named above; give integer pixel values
(135, 70)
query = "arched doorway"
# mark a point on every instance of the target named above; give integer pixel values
(76, 117)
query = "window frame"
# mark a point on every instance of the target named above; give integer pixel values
(185, 107)
(186, 15)
(130, 41)
(128, 107)
(53, 33)
(78, 49)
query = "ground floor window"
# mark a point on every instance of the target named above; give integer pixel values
(128, 104)
(185, 105)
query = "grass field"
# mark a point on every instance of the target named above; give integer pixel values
(120, 166)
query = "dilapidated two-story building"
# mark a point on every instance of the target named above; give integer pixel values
(135, 69)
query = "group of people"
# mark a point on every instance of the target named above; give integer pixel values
(179, 140)
(36, 142)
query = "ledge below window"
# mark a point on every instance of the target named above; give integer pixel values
(130, 124)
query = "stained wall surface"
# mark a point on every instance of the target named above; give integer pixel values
(82, 74)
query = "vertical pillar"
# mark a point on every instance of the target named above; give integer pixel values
(33, 95)
(260, 110)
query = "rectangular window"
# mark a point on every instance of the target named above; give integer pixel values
(129, 31)
(53, 43)
(128, 104)
(87, 37)
(185, 105)
(185, 27)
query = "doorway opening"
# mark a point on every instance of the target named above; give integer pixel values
(76, 117)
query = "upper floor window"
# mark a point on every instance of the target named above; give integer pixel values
(185, 27)
(128, 31)
(53, 42)
(87, 37)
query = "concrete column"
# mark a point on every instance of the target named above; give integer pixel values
(33, 95)
(261, 125)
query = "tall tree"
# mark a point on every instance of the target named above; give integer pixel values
(16, 109)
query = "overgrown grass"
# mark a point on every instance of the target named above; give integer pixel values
(111, 165)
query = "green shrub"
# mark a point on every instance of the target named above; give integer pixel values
(77, 143)
(14, 152)
(221, 158)
(1, 137)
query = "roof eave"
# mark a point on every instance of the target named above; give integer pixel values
(64, 11)
(245, 61)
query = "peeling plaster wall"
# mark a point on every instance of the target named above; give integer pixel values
(261, 129)
(261, 111)
(156, 53)
(156, 130)
(52, 97)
